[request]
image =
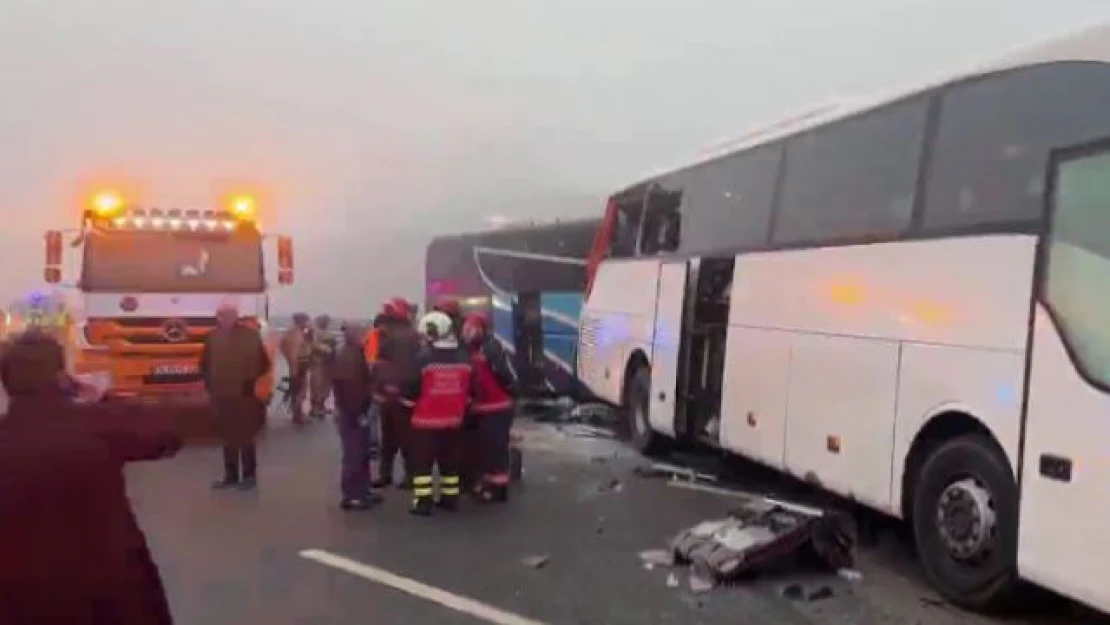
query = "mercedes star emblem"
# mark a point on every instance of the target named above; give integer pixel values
(175, 331)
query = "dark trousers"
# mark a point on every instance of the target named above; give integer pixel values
(430, 449)
(354, 434)
(240, 462)
(239, 419)
(396, 432)
(495, 429)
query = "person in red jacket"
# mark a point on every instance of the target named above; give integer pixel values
(493, 406)
(439, 397)
(71, 551)
(394, 368)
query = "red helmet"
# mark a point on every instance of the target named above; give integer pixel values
(448, 307)
(397, 308)
(477, 319)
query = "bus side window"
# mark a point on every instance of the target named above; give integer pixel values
(662, 223)
(623, 243)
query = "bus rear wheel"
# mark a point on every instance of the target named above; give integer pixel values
(965, 523)
(637, 405)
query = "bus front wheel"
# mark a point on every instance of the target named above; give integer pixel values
(637, 405)
(965, 523)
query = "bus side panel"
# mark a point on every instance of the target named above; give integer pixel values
(970, 293)
(1062, 542)
(757, 375)
(617, 320)
(981, 383)
(840, 421)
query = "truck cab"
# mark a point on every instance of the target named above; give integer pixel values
(148, 284)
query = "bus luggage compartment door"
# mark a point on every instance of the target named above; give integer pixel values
(666, 341)
(528, 342)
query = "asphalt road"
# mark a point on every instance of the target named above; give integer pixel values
(277, 556)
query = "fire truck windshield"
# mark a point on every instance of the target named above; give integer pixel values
(173, 262)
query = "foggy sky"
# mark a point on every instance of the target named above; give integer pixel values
(369, 125)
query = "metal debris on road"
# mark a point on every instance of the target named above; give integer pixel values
(759, 535)
(674, 472)
(535, 562)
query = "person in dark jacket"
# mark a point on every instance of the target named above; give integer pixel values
(351, 384)
(439, 397)
(234, 359)
(395, 367)
(493, 407)
(71, 550)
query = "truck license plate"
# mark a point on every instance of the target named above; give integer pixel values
(175, 370)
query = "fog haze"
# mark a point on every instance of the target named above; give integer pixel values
(367, 125)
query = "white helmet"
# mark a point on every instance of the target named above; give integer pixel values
(435, 325)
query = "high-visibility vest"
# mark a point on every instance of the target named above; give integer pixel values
(372, 344)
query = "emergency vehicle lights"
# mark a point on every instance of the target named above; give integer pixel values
(242, 206)
(107, 203)
(156, 219)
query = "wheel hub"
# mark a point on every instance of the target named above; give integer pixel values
(966, 520)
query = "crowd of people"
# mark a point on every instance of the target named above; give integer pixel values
(437, 393)
(440, 390)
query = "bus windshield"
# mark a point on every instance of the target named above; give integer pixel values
(173, 262)
(1077, 279)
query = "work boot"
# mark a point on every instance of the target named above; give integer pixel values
(383, 481)
(225, 483)
(249, 483)
(448, 502)
(421, 507)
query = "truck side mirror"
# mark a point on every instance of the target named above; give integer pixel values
(285, 259)
(52, 270)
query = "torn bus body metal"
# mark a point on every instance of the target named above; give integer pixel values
(761, 534)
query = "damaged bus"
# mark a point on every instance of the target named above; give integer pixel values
(905, 301)
(529, 279)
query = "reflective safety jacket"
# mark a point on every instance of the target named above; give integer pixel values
(494, 378)
(372, 345)
(441, 393)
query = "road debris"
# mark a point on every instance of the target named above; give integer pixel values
(802, 592)
(612, 486)
(674, 472)
(761, 535)
(535, 562)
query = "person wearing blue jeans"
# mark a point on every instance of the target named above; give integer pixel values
(351, 384)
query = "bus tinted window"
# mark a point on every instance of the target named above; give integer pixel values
(855, 178)
(991, 152)
(727, 203)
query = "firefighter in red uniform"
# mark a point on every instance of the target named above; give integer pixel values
(492, 408)
(439, 396)
(395, 366)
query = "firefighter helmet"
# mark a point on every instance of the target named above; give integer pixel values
(397, 308)
(435, 325)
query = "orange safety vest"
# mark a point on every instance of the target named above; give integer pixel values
(372, 344)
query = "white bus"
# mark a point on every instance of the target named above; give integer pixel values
(906, 302)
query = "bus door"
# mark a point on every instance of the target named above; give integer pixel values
(528, 341)
(666, 341)
(1065, 475)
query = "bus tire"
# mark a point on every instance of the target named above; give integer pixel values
(965, 523)
(636, 410)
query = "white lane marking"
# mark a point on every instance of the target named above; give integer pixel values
(446, 599)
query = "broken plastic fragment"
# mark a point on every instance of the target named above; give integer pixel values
(699, 584)
(672, 581)
(535, 562)
(657, 557)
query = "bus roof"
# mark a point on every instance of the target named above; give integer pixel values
(1091, 43)
(520, 228)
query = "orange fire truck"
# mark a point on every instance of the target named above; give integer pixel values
(149, 282)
